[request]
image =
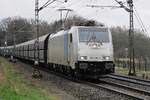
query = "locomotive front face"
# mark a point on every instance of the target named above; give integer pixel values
(95, 49)
(95, 44)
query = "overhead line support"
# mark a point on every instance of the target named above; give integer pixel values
(132, 71)
(131, 32)
(36, 72)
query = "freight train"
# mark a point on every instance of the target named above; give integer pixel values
(81, 51)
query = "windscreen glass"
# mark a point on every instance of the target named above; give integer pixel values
(93, 35)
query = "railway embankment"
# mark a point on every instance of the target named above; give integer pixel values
(16, 83)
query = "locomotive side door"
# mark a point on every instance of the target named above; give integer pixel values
(70, 49)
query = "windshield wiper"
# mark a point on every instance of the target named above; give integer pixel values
(93, 37)
(101, 42)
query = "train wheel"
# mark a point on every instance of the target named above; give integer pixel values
(70, 72)
(76, 74)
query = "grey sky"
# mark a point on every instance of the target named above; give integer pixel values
(110, 17)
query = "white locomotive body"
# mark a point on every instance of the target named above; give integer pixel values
(81, 50)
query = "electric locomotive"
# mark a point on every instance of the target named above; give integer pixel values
(81, 51)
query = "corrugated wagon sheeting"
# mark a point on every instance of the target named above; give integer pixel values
(26, 50)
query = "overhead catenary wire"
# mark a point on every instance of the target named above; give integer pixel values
(66, 16)
(50, 2)
(46, 4)
(75, 3)
(140, 21)
(112, 7)
(139, 18)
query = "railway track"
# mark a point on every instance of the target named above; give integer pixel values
(134, 86)
(114, 88)
(111, 88)
(134, 93)
(130, 79)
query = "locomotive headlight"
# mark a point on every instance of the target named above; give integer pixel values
(94, 46)
(106, 57)
(83, 57)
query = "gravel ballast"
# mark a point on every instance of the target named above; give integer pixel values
(66, 89)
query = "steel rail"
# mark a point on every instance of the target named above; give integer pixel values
(115, 91)
(129, 80)
(141, 91)
(130, 77)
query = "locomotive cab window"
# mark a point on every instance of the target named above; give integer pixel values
(96, 35)
(70, 38)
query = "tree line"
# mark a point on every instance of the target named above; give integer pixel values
(23, 30)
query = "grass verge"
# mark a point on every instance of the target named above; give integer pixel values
(125, 71)
(15, 87)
